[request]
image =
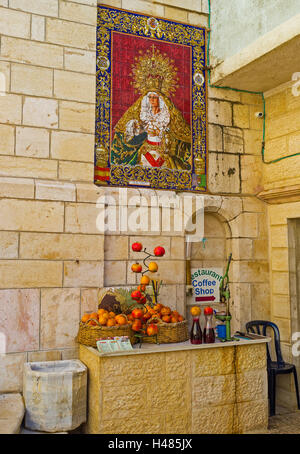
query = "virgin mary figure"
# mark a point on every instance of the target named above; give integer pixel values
(153, 132)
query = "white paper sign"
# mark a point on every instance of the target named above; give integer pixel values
(206, 283)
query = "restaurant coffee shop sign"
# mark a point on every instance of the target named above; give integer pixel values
(206, 283)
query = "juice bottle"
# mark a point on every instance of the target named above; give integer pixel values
(196, 333)
(209, 332)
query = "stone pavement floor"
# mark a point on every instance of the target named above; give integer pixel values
(284, 422)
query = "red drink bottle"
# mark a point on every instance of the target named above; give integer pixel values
(196, 333)
(208, 333)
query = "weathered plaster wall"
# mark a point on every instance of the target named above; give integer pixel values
(251, 18)
(52, 257)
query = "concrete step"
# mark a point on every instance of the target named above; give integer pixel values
(12, 411)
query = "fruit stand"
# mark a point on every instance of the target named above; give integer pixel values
(167, 380)
(178, 388)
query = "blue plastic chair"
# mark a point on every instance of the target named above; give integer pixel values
(274, 367)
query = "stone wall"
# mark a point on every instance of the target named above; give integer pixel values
(281, 189)
(52, 257)
(207, 391)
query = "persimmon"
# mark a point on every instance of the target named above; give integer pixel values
(94, 315)
(111, 322)
(111, 315)
(180, 318)
(174, 319)
(166, 318)
(158, 307)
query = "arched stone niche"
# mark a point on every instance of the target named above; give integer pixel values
(214, 251)
(211, 252)
(223, 220)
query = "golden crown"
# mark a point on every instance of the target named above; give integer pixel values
(154, 71)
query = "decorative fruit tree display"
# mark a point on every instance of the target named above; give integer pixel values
(149, 313)
(134, 312)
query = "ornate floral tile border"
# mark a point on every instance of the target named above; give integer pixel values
(138, 55)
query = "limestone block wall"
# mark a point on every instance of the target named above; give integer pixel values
(52, 257)
(217, 390)
(281, 182)
(282, 137)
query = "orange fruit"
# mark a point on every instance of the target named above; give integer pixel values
(92, 323)
(153, 267)
(175, 313)
(130, 318)
(94, 315)
(174, 319)
(180, 318)
(166, 318)
(111, 322)
(136, 325)
(103, 320)
(85, 318)
(121, 320)
(101, 311)
(152, 329)
(158, 307)
(165, 311)
(145, 279)
(111, 315)
(141, 288)
(195, 311)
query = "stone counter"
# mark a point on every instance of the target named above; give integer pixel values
(178, 388)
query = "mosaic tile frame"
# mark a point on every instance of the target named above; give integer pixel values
(140, 25)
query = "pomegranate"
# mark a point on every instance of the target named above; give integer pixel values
(137, 247)
(136, 268)
(136, 295)
(136, 325)
(152, 329)
(159, 251)
(137, 313)
(208, 310)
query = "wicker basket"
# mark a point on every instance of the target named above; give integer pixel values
(169, 333)
(88, 335)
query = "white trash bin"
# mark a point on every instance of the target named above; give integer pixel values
(55, 394)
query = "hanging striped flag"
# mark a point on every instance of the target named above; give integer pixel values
(102, 173)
